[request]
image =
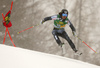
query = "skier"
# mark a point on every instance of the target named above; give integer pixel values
(60, 21)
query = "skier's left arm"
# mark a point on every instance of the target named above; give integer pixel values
(72, 28)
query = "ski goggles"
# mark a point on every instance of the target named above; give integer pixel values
(64, 15)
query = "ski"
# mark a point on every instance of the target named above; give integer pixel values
(62, 48)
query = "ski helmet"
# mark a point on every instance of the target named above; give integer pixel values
(63, 11)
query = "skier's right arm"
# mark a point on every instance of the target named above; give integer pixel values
(46, 19)
(49, 18)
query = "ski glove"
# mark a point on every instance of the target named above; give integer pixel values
(42, 22)
(74, 33)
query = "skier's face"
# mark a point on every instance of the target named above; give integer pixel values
(64, 16)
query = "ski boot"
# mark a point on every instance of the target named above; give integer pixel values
(77, 52)
(62, 44)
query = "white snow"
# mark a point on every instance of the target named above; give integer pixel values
(4, 6)
(29, 3)
(14, 57)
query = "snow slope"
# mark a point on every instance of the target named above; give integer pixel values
(14, 57)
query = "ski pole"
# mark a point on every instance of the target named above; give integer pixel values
(27, 28)
(85, 43)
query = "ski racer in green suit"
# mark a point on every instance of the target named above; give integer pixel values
(60, 21)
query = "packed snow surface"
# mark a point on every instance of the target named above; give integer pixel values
(14, 57)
